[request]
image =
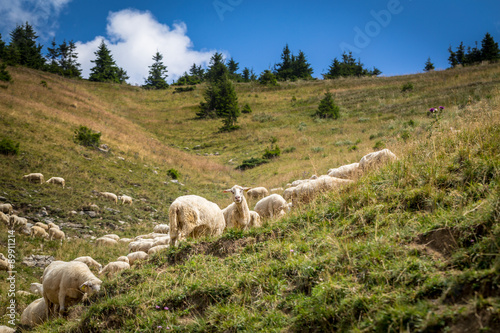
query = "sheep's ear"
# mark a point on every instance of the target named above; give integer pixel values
(246, 188)
(85, 285)
(226, 191)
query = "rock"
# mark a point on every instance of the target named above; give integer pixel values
(35, 260)
(91, 213)
(175, 181)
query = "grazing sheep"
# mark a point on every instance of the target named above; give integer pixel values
(36, 288)
(4, 218)
(42, 225)
(35, 313)
(161, 241)
(38, 232)
(375, 159)
(125, 240)
(125, 199)
(56, 234)
(237, 214)
(104, 241)
(112, 236)
(151, 235)
(161, 228)
(306, 192)
(89, 261)
(255, 221)
(124, 259)
(276, 189)
(16, 222)
(138, 255)
(113, 268)
(57, 180)
(6, 208)
(257, 193)
(194, 216)
(65, 283)
(53, 225)
(157, 248)
(6, 329)
(349, 171)
(140, 245)
(109, 196)
(288, 193)
(34, 178)
(272, 206)
(4, 263)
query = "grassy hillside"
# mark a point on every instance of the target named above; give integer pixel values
(410, 247)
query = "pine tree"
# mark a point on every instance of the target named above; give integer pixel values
(489, 49)
(105, 69)
(227, 105)
(301, 68)
(429, 66)
(157, 78)
(460, 54)
(53, 56)
(452, 59)
(68, 62)
(4, 74)
(2, 48)
(283, 70)
(217, 68)
(327, 108)
(23, 50)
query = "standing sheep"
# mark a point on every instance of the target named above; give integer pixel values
(38, 232)
(125, 199)
(272, 206)
(162, 228)
(65, 283)
(237, 214)
(255, 221)
(257, 193)
(4, 218)
(113, 268)
(89, 261)
(6, 208)
(306, 192)
(16, 222)
(194, 216)
(105, 241)
(34, 178)
(134, 256)
(109, 196)
(55, 233)
(57, 180)
(42, 225)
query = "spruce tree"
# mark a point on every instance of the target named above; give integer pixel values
(227, 105)
(2, 48)
(284, 70)
(4, 74)
(489, 49)
(23, 49)
(105, 69)
(327, 108)
(157, 78)
(429, 66)
(68, 61)
(217, 68)
(348, 67)
(53, 56)
(301, 68)
(452, 59)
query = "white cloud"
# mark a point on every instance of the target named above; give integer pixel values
(133, 37)
(41, 14)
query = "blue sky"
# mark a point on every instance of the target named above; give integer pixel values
(396, 36)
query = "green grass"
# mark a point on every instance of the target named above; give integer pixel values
(411, 247)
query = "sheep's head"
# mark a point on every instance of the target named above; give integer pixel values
(91, 287)
(238, 192)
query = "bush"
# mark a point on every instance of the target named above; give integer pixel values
(268, 78)
(9, 147)
(87, 137)
(183, 89)
(407, 87)
(4, 74)
(251, 163)
(174, 174)
(327, 108)
(272, 153)
(246, 109)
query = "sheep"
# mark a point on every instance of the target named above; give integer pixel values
(113, 268)
(276, 189)
(237, 214)
(53, 225)
(57, 180)
(36, 288)
(151, 235)
(16, 222)
(157, 248)
(35, 313)
(141, 245)
(124, 259)
(4, 218)
(288, 193)
(104, 241)
(55, 233)
(125, 240)
(42, 225)
(6, 329)
(6, 208)
(109, 196)
(4, 263)
(65, 283)
(271, 206)
(89, 261)
(112, 236)
(138, 255)
(349, 171)
(255, 220)
(161, 228)
(306, 192)
(34, 178)
(257, 193)
(125, 199)
(161, 241)
(375, 159)
(37, 231)
(194, 216)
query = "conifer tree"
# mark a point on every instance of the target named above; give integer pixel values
(53, 57)
(227, 105)
(105, 69)
(217, 68)
(429, 66)
(4, 74)
(2, 47)
(327, 108)
(489, 48)
(157, 78)
(23, 49)
(301, 68)
(68, 60)
(284, 70)
(452, 59)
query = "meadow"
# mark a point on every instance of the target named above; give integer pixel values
(410, 247)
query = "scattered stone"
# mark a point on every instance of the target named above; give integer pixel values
(35, 260)
(90, 213)
(175, 181)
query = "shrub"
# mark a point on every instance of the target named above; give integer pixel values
(379, 145)
(4, 74)
(407, 87)
(251, 163)
(289, 149)
(183, 89)
(9, 147)
(268, 78)
(246, 109)
(174, 174)
(272, 153)
(327, 108)
(87, 137)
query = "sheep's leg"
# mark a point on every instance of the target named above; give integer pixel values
(62, 297)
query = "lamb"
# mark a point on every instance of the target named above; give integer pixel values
(34, 178)
(6, 208)
(35, 313)
(113, 268)
(257, 193)
(104, 241)
(288, 193)
(125, 199)
(157, 248)
(4, 218)
(138, 255)
(57, 180)
(271, 206)
(89, 261)
(38, 232)
(161, 228)
(255, 220)
(237, 214)
(36, 288)
(375, 159)
(349, 171)
(194, 216)
(161, 241)
(65, 283)
(55, 233)
(42, 225)
(306, 192)
(109, 196)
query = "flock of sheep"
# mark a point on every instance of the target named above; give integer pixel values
(190, 216)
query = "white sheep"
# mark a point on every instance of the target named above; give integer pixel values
(161, 228)
(109, 196)
(4, 218)
(6, 208)
(237, 214)
(36, 288)
(113, 268)
(53, 225)
(151, 235)
(138, 255)
(125, 199)
(112, 236)
(105, 241)
(90, 262)
(35, 313)
(161, 241)
(306, 192)
(55, 233)
(140, 245)
(276, 189)
(272, 206)
(255, 220)
(125, 240)
(4, 263)
(288, 193)
(124, 259)
(376, 159)
(16, 222)
(37, 231)
(7, 329)
(349, 171)
(257, 193)
(65, 283)
(34, 178)
(42, 225)
(194, 216)
(157, 248)
(57, 181)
